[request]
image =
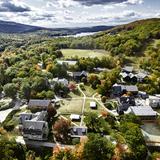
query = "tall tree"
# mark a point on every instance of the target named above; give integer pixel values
(61, 130)
(10, 90)
(98, 148)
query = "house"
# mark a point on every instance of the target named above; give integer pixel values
(78, 131)
(141, 76)
(39, 104)
(69, 62)
(119, 89)
(127, 69)
(99, 69)
(124, 103)
(125, 76)
(93, 105)
(130, 88)
(128, 77)
(143, 95)
(153, 101)
(78, 75)
(75, 117)
(34, 126)
(62, 81)
(144, 112)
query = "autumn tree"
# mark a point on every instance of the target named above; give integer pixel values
(61, 130)
(63, 154)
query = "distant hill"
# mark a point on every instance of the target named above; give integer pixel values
(12, 27)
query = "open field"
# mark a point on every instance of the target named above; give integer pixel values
(68, 53)
(70, 106)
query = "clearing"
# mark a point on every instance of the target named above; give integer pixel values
(68, 53)
(71, 106)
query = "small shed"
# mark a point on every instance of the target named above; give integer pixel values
(75, 117)
(93, 105)
(78, 131)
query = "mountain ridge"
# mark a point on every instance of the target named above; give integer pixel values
(19, 28)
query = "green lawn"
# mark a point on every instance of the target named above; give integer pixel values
(75, 94)
(68, 53)
(70, 106)
(88, 109)
(89, 91)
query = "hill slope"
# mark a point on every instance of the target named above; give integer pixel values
(129, 39)
(12, 27)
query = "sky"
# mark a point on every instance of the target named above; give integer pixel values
(77, 13)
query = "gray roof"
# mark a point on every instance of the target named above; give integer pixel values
(128, 69)
(129, 88)
(142, 75)
(39, 116)
(143, 111)
(25, 116)
(78, 131)
(39, 103)
(34, 125)
(78, 74)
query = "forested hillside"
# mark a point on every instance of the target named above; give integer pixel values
(127, 39)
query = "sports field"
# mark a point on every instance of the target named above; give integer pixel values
(68, 53)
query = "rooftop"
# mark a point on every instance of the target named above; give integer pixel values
(78, 131)
(39, 103)
(67, 62)
(75, 116)
(92, 104)
(127, 69)
(143, 111)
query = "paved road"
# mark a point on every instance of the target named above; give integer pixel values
(84, 101)
(20, 140)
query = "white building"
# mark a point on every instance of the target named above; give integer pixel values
(93, 105)
(75, 117)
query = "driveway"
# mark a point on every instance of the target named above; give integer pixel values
(84, 101)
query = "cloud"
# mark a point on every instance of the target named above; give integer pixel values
(125, 16)
(37, 16)
(103, 2)
(98, 2)
(10, 6)
(134, 2)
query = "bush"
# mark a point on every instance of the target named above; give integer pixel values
(82, 87)
(103, 99)
(109, 106)
(8, 124)
(75, 141)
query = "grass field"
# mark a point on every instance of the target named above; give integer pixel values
(70, 106)
(68, 53)
(88, 109)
